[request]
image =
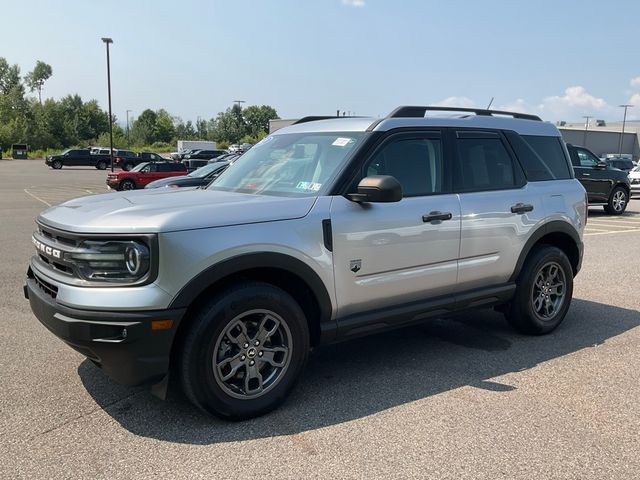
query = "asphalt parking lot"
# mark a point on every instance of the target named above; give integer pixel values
(458, 398)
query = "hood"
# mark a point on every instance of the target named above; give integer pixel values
(167, 210)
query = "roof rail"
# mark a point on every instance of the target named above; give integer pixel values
(313, 118)
(419, 112)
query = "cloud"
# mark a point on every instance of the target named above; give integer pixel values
(574, 99)
(635, 82)
(635, 100)
(353, 3)
(519, 105)
(464, 102)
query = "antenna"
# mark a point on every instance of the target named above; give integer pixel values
(490, 103)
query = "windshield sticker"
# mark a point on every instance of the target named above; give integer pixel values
(309, 186)
(341, 141)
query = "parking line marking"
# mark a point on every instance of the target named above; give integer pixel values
(627, 220)
(595, 229)
(37, 198)
(612, 225)
(613, 231)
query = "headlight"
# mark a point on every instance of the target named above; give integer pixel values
(111, 260)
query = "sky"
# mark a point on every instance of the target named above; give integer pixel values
(560, 59)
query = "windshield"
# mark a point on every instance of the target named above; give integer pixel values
(139, 167)
(294, 164)
(206, 170)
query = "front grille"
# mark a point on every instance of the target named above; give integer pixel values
(46, 287)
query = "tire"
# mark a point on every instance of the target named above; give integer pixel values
(216, 336)
(101, 165)
(535, 308)
(127, 166)
(56, 164)
(618, 201)
(127, 184)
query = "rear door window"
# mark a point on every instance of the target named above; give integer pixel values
(541, 157)
(485, 163)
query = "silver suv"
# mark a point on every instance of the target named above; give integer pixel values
(324, 231)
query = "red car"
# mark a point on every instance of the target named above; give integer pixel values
(144, 173)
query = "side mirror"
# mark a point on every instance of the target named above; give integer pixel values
(377, 188)
(601, 165)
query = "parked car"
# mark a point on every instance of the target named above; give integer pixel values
(634, 179)
(129, 161)
(605, 185)
(230, 286)
(624, 164)
(125, 159)
(204, 154)
(201, 176)
(178, 156)
(144, 173)
(78, 158)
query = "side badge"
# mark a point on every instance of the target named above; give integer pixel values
(355, 265)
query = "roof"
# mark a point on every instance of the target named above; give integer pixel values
(523, 124)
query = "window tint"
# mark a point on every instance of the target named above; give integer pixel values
(586, 158)
(415, 163)
(549, 153)
(485, 163)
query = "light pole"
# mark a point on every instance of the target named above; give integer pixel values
(107, 41)
(128, 143)
(239, 102)
(624, 121)
(586, 127)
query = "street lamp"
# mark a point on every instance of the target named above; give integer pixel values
(107, 41)
(586, 127)
(239, 102)
(128, 143)
(624, 121)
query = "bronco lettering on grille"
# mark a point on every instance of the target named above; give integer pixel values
(46, 249)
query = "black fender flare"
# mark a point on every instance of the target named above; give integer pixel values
(250, 261)
(555, 226)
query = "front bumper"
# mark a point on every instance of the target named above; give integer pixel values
(123, 344)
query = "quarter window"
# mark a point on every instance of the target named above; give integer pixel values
(415, 163)
(485, 164)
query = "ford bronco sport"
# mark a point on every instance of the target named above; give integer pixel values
(325, 230)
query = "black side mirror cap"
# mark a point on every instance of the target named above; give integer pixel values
(377, 188)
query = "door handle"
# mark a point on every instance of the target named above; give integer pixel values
(520, 208)
(436, 216)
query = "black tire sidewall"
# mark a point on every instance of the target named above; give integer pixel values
(101, 165)
(197, 368)
(522, 314)
(56, 164)
(127, 182)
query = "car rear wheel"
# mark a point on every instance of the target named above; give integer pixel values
(56, 164)
(244, 351)
(618, 202)
(127, 185)
(544, 290)
(101, 165)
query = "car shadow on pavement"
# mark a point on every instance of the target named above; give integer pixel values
(362, 377)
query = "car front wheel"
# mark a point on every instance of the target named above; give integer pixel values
(127, 185)
(618, 202)
(56, 164)
(244, 351)
(544, 290)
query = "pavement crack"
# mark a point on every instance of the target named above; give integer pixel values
(85, 414)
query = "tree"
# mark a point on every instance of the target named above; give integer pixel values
(257, 118)
(230, 125)
(164, 130)
(143, 128)
(36, 78)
